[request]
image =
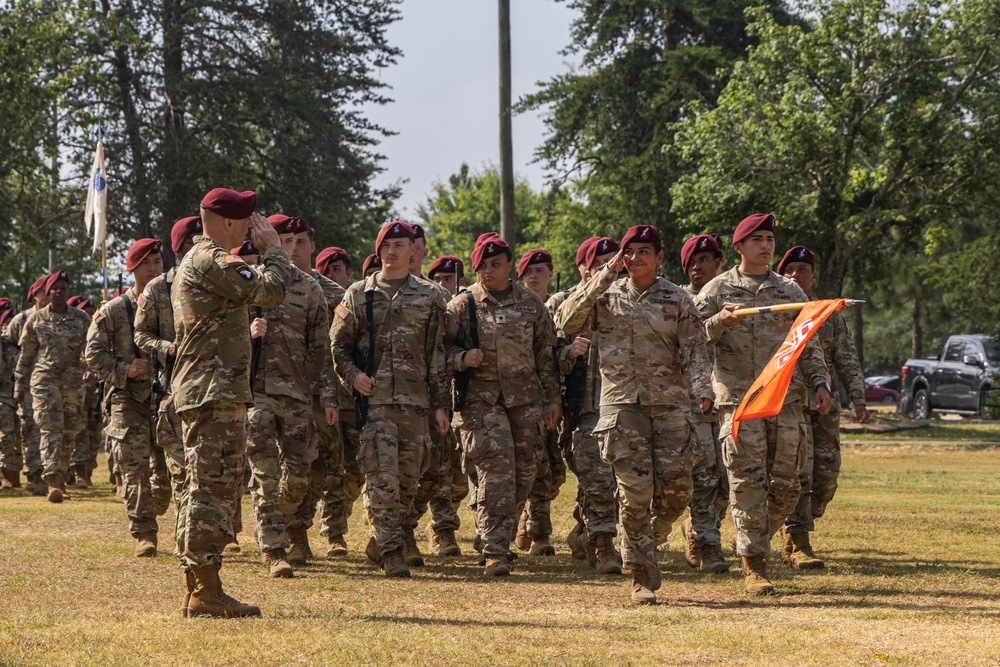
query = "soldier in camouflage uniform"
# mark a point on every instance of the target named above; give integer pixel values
(281, 429)
(513, 375)
(83, 461)
(701, 260)
(653, 361)
(11, 458)
(410, 380)
(819, 477)
(211, 382)
(764, 467)
(51, 345)
(336, 265)
(30, 437)
(113, 355)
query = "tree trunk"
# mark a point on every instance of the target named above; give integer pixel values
(859, 333)
(177, 203)
(507, 229)
(917, 351)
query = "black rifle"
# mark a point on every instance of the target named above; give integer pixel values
(367, 361)
(461, 388)
(255, 354)
(558, 280)
(154, 373)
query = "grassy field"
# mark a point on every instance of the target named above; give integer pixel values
(913, 579)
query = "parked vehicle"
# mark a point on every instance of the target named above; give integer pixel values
(885, 382)
(880, 395)
(959, 381)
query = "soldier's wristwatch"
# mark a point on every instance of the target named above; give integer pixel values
(822, 385)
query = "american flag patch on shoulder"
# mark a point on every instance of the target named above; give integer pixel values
(141, 301)
(343, 312)
(233, 259)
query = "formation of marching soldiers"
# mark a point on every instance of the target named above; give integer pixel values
(260, 362)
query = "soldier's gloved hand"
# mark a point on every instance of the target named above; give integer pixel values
(861, 412)
(579, 347)
(19, 397)
(727, 317)
(441, 421)
(258, 328)
(555, 414)
(332, 415)
(823, 402)
(473, 358)
(705, 404)
(137, 367)
(262, 233)
(364, 384)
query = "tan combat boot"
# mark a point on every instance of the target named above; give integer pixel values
(36, 486)
(540, 546)
(607, 556)
(145, 545)
(190, 581)
(395, 565)
(447, 544)
(755, 575)
(55, 494)
(797, 552)
(411, 553)
(338, 546)
(574, 540)
(11, 480)
(232, 548)
(208, 599)
(373, 552)
(298, 550)
(692, 551)
(81, 477)
(711, 559)
(277, 564)
(642, 587)
(497, 567)
(523, 540)
(433, 541)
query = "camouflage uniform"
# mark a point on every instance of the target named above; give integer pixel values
(11, 458)
(501, 425)
(597, 505)
(110, 351)
(819, 477)
(280, 426)
(764, 468)
(211, 385)
(88, 437)
(653, 359)
(30, 436)
(52, 344)
(710, 493)
(411, 379)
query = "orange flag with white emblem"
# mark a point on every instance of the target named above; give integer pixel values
(766, 396)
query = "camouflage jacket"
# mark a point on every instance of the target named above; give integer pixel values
(712, 415)
(652, 342)
(742, 352)
(154, 322)
(51, 349)
(111, 349)
(410, 366)
(333, 294)
(8, 361)
(516, 338)
(210, 294)
(841, 356)
(295, 350)
(592, 386)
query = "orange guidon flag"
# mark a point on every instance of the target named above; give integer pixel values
(767, 394)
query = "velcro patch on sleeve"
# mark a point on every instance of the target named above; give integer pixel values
(233, 259)
(141, 301)
(343, 312)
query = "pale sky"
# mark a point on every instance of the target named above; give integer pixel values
(446, 89)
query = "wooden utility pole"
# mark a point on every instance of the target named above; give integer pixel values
(507, 230)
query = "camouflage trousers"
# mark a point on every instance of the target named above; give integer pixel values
(550, 475)
(598, 506)
(214, 443)
(763, 473)
(130, 436)
(500, 445)
(329, 454)
(710, 494)
(31, 438)
(169, 438)
(819, 476)
(11, 457)
(281, 448)
(429, 491)
(395, 450)
(652, 450)
(88, 437)
(57, 414)
(344, 479)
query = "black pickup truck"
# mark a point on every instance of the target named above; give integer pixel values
(960, 381)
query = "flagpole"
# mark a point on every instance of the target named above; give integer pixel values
(782, 308)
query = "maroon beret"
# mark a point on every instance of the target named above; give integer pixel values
(248, 248)
(418, 231)
(139, 251)
(5, 303)
(581, 252)
(602, 245)
(397, 229)
(284, 224)
(799, 253)
(699, 243)
(36, 286)
(6, 313)
(73, 300)
(184, 229)
(328, 256)
(118, 292)
(753, 223)
(447, 264)
(536, 256)
(640, 234)
(371, 262)
(82, 303)
(230, 204)
(488, 245)
(53, 278)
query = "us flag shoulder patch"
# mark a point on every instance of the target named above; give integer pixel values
(342, 312)
(233, 259)
(141, 301)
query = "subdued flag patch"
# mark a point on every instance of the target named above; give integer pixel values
(343, 312)
(234, 259)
